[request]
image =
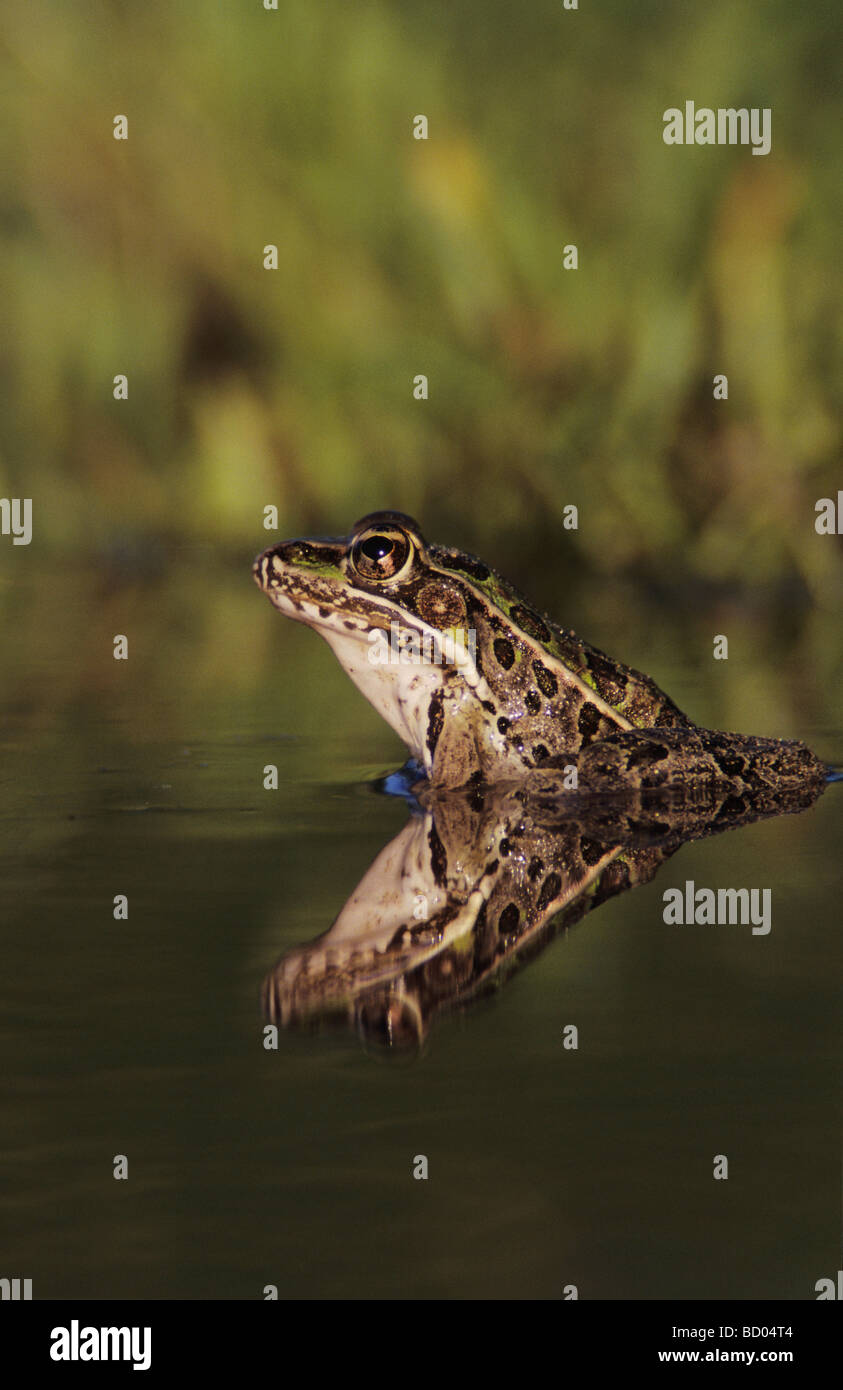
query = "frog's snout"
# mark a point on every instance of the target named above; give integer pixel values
(262, 569)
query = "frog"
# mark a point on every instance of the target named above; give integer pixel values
(483, 688)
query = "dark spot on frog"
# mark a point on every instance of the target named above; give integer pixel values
(466, 564)
(545, 680)
(504, 847)
(324, 612)
(536, 869)
(609, 680)
(591, 850)
(488, 706)
(730, 763)
(653, 828)
(669, 717)
(435, 721)
(646, 754)
(530, 621)
(550, 889)
(476, 799)
(540, 753)
(588, 722)
(438, 857)
(509, 919)
(504, 653)
(532, 701)
(614, 879)
(503, 725)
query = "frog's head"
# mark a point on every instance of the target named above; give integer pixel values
(398, 619)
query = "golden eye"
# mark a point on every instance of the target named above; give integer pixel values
(380, 555)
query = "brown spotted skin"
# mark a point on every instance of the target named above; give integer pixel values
(528, 663)
(737, 765)
(510, 631)
(534, 693)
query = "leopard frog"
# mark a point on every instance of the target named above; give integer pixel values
(484, 689)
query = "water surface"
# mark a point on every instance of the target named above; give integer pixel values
(293, 1167)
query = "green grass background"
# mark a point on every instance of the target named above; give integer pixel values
(396, 257)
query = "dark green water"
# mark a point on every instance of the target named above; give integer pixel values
(246, 1167)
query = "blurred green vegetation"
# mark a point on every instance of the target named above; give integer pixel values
(397, 256)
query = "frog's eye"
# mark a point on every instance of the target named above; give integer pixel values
(381, 554)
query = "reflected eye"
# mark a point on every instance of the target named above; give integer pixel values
(381, 554)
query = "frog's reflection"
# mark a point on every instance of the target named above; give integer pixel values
(475, 884)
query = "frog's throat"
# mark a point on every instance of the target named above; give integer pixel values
(399, 688)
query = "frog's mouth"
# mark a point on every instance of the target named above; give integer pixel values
(321, 598)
